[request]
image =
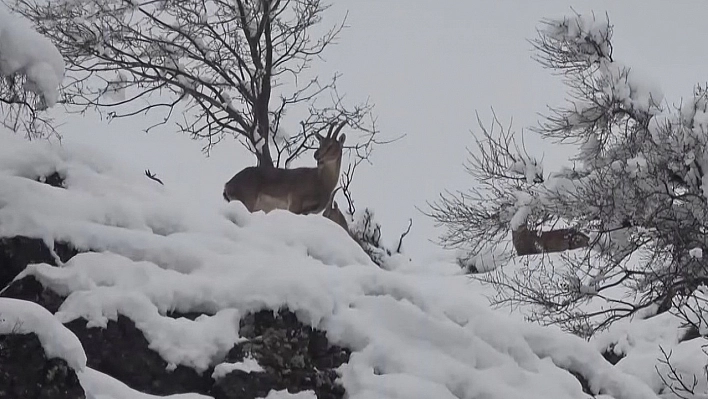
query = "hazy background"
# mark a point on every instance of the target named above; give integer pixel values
(428, 66)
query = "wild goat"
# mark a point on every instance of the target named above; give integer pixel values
(528, 242)
(299, 190)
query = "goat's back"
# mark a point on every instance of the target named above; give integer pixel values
(528, 242)
(250, 183)
(562, 240)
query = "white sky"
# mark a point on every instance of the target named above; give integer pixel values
(428, 66)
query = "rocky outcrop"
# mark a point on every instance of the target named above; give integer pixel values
(25, 371)
(17, 252)
(55, 180)
(121, 351)
(29, 289)
(293, 356)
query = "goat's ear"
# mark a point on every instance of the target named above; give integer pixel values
(342, 138)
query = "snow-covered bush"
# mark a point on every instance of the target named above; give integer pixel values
(639, 190)
(31, 70)
(366, 231)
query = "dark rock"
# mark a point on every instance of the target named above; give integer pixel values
(29, 289)
(583, 382)
(121, 351)
(54, 180)
(17, 252)
(610, 355)
(189, 315)
(25, 371)
(689, 333)
(294, 356)
(243, 385)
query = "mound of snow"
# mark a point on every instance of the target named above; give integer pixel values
(284, 394)
(413, 334)
(100, 386)
(647, 345)
(249, 365)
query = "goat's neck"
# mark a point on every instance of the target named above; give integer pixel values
(328, 173)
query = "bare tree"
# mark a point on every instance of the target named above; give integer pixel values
(227, 67)
(636, 193)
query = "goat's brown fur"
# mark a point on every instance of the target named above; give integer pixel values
(300, 190)
(527, 242)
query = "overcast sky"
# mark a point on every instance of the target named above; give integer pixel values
(428, 66)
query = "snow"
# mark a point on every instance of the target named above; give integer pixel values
(414, 332)
(524, 202)
(23, 317)
(116, 88)
(22, 50)
(249, 365)
(284, 394)
(96, 292)
(101, 386)
(641, 343)
(530, 168)
(601, 376)
(589, 34)
(635, 90)
(696, 253)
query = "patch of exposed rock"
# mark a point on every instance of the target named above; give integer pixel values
(294, 357)
(25, 371)
(18, 252)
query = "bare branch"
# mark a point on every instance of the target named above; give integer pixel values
(152, 176)
(229, 68)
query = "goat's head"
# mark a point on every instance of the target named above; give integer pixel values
(331, 147)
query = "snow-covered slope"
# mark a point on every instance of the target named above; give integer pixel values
(414, 333)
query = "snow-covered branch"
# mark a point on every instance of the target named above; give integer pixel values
(31, 70)
(637, 195)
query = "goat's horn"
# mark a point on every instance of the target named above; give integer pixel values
(339, 128)
(331, 128)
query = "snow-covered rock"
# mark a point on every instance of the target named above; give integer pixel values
(26, 371)
(22, 317)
